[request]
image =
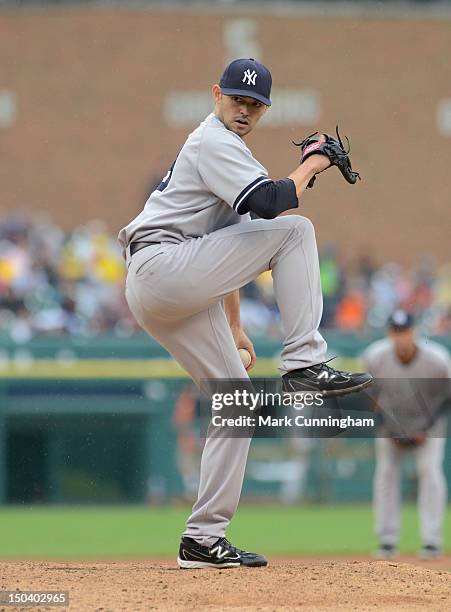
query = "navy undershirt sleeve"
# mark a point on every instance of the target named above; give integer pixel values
(272, 198)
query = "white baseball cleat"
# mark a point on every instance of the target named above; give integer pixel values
(385, 552)
(429, 552)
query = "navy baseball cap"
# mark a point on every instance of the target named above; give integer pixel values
(247, 77)
(400, 320)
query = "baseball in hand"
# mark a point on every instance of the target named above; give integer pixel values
(245, 357)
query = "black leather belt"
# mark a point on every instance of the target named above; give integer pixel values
(137, 246)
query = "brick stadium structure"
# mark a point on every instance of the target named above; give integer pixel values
(90, 133)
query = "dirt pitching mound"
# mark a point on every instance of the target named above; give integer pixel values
(283, 585)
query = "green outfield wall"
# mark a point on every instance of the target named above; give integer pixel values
(93, 422)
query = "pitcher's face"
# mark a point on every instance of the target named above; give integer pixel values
(239, 114)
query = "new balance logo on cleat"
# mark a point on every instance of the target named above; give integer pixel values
(193, 555)
(322, 378)
(326, 375)
(221, 552)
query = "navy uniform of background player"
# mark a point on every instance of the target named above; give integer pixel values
(410, 424)
(189, 252)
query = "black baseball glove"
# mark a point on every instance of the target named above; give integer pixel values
(334, 149)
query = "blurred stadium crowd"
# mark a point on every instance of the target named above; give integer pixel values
(52, 282)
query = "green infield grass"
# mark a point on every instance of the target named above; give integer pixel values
(101, 532)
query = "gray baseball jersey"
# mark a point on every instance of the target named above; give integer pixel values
(405, 412)
(203, 190)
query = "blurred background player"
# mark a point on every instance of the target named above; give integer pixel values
(409, 424)
(189, 444)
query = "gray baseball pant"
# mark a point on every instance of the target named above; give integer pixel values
(175, 292)
(432, 492)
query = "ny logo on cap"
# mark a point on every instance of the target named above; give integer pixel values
(249, 77)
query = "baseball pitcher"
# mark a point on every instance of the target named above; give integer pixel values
(192, 248)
